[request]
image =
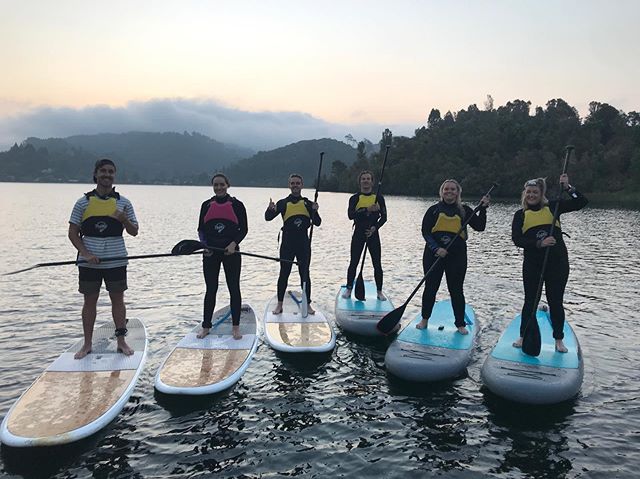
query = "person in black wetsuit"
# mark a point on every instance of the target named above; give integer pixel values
(222, 225)
(440, 224)
(530, 231)
(297, 213)
(368, 213)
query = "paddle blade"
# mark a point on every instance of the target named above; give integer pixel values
(187, 247)
(389, 322)
(531, 341)
(359, 289)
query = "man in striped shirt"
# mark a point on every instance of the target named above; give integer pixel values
(95, 229)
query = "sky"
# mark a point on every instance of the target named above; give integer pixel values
(266, 73)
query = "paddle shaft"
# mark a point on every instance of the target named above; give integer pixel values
(253, 255)
(466, 222)
(315, 197)
(366, 242)
(545, 260)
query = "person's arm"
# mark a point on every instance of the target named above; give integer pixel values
(576, 201)
(351, 210)
(243, 224)
(128, 218)
(517, 236)
(312, 208)
(383, 212)
(203, 212)
(75, 237)
(478, 220)
(427, 225)
(273, 210)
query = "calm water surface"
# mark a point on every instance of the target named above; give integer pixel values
(340, 415)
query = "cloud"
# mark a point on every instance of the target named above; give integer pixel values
(256, 130)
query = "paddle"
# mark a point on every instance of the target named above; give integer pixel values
(193, 249)
(189, 246)
(305, 304)
(359, 289)
(388, 323)
(531, 340)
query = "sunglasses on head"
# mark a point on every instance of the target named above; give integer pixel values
(531, 183)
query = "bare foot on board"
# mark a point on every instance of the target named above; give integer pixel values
(86, 349)
(310, 310)
(203, 332)
(463, 330)
(236, 332)
(346, 294)
(423, 324)
(517, 343)
(560, 347)
(123, 347)
(381, 296)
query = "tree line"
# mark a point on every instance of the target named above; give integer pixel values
(508, 145)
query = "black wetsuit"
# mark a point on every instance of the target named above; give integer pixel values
(363, 220)
(440, 224)
(297, 215)
(222, 221)
(528, 229)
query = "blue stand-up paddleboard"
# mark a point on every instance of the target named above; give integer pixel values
(291, 332)
(549, 378)
(361, 317)
(208, 365)
(436, 353)
(74, 398)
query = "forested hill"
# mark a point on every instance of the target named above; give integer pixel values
(140, 156)
(271, 168)
(509, 144)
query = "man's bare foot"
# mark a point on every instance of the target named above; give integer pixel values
(310, 310)
(517, 343)
(203, 332)
(236, 332)
(463, 330)
(347, 293)
(278, 309)
(381, 296)
(423, 324)
(123, 347)
(560, 347)
(86, 349)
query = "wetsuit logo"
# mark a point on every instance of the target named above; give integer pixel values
(219, 227)
(101, 226)
(542, 234)
(446, 239)
(297, 222)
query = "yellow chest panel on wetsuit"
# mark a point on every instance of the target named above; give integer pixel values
(295, 209)
(99, 207)
(537, 218)
(364, 201)
(448, 224)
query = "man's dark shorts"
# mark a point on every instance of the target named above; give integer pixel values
(90, 281)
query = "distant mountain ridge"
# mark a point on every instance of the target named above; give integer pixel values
(271, 168)
(165, 158)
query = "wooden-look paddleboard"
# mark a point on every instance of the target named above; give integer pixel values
(74, 398)
(213, 363)
(290, 332)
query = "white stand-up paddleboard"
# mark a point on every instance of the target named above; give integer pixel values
(549, 378)
(361, 317)
(75, 398)
(290, 332)
(435, 353)
(211, 364)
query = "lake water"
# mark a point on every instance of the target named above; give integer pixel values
(341, 416)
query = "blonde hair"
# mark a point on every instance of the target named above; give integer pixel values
(458, 198)
(541, 184)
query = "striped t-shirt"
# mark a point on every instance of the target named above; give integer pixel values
(107, 247)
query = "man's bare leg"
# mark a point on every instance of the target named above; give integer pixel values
(119, 313)
(88, 322)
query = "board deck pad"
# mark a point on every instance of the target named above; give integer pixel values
(548, 355)
(73, 398)
(371, 303)
(441, 331)
(290, 331)
(212, 363)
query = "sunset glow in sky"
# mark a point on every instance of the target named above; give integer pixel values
(345, 62)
